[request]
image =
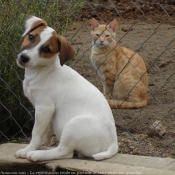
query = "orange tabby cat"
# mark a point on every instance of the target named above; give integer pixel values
(123, 72)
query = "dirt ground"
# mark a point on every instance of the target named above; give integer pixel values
(152, 35)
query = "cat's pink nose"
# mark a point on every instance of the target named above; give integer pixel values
(101, 42)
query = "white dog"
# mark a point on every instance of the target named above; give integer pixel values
(76, 110)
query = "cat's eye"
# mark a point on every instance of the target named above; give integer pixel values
(107, 35)
(97, 34)
(46, 49)
(31, 37)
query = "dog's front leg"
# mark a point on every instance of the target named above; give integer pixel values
(43, 119)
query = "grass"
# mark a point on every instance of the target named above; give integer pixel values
(16, 113)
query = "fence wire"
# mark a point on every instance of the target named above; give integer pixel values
(146, 27)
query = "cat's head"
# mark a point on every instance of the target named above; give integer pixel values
(103, 35)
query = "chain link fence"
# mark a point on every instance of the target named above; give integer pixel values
(147, 27)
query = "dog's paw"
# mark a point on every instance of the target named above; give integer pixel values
(35, 156)
(22, 153)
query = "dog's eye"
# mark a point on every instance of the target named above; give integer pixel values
(31, 37)
(46, 50)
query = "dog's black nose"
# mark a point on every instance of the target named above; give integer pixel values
(24, 58)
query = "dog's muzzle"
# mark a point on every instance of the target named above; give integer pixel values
(24, 58)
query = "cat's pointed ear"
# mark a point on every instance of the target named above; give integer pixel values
(94, 23)
(113, 25)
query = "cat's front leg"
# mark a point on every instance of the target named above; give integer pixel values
(108, 89)
(106, 93)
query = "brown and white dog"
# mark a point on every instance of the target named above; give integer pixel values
(64, 101)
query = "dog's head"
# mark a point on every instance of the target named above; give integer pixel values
(41, 45)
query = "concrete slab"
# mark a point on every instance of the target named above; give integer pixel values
(119, 164)
(144, 161)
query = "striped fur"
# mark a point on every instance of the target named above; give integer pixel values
(123, 72)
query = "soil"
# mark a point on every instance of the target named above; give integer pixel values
(149, 30)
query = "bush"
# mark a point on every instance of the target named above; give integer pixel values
(16, 113)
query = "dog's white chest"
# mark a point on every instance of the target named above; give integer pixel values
(28, 91)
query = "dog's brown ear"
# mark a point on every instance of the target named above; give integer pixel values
(33, 22)
(66, 50)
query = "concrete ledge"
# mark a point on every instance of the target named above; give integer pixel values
(119, 164)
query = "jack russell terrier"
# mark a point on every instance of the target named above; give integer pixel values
(65, 103)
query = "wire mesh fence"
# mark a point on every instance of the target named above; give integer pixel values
(146, 27)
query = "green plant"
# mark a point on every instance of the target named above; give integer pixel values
(16, 113)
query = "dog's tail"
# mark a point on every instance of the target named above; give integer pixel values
(110, 152)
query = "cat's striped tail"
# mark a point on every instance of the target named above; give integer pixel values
(126, 104)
